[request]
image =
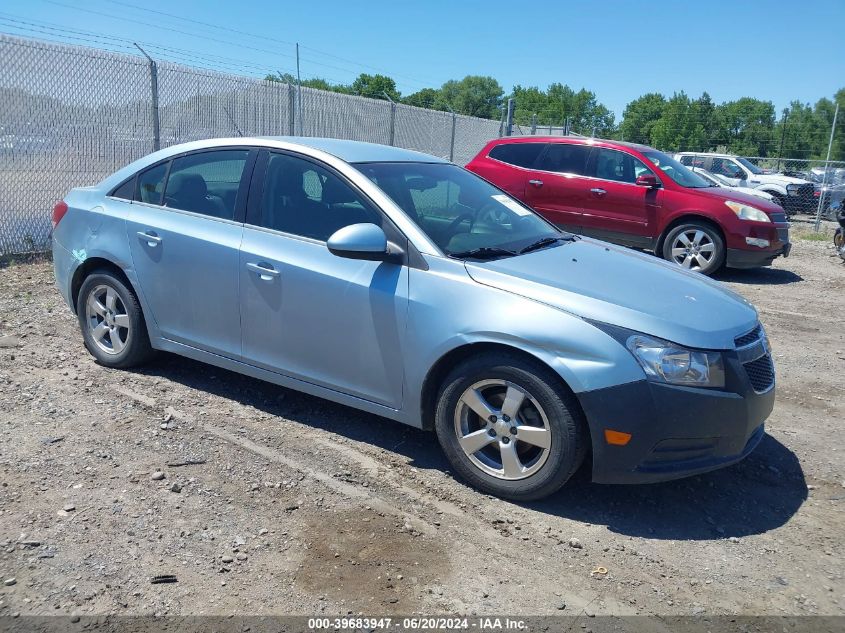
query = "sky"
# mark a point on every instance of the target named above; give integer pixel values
(774, 50)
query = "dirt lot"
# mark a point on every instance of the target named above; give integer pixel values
(302, 506)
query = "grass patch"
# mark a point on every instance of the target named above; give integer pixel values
(813, 237)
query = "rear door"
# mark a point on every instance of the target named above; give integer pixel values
(615, 208)
(557, 187)
(508, 166)
(185, 227)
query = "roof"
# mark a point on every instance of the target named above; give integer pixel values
(579, 140)
(359, 151)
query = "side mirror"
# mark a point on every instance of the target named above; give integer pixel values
(648, 180)
(362, 241)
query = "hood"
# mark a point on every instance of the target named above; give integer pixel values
(602, 282)
(739, 194)
(779, 179)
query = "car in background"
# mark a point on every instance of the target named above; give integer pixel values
(402, 285)
(636, 196)
(794, 195)
(721, 181)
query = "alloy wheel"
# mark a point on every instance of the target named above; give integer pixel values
(107, 319)
(502, 429)
(693, 249)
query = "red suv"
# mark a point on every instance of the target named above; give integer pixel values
(636, 196)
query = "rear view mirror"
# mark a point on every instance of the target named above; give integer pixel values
(362, 241)
(421, 183)
(648, 180)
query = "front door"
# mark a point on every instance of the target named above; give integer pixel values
(184, 239)
(557, 188)
(306, 313)
(616, 209)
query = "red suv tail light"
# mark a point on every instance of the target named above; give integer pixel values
(59, 212)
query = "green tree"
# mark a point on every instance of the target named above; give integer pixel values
(426, 98)
(375, 87)
(474, 95)
(640, 116)
(748, 126)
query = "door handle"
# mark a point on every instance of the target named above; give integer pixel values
(535, 183)
(598, 191)
(149, 238)
(265, 272)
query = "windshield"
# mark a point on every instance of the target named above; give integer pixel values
(750, 166)
(677, 172)
(463, 214)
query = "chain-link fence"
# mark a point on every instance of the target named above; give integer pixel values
(70, 115)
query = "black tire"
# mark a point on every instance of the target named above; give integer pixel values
(134, 343)
(713, 237)
(569, 438)
(778, 200)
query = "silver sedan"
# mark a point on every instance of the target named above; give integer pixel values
(403, 285)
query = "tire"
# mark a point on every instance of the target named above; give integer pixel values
(113, 325)
(692, 254)
(559, 437)
(778, 200)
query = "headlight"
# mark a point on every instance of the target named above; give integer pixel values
(667, 362)
(744, 212)
(793, 189)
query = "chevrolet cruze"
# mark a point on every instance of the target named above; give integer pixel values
(403, 285)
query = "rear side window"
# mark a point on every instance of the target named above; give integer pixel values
(206, 183)
(125, 191)
(151, 184)
(565, 158)
(519, 154)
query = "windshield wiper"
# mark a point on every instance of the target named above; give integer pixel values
(484, 252)
(547, 241)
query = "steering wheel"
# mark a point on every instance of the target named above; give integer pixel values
(463, 217)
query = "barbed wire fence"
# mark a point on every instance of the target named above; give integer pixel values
(71, 115)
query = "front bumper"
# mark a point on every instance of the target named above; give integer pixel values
(675, 431)
(741, 258)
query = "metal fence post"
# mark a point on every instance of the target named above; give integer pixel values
(509, 124)
(392, 117)
(826, 168)
(154, 98)
(533, 124)
(291, 110)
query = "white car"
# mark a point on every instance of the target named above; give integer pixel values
(795, 195)
(721, 181)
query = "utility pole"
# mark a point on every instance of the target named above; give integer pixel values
(826, 168)
(299, 89)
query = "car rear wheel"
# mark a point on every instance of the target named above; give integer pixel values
(509, 428)
(695, 246)
(111, 320)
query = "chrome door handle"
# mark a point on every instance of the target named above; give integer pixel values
(149, 238)
(266, 273)
(598, 191)
(535, 183)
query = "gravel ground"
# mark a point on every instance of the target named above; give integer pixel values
(266, 501)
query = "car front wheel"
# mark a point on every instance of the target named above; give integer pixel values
(695, 246)
(509, 428)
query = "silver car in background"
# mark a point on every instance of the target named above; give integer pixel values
(403, 285)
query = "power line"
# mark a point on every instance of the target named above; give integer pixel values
(271, 39)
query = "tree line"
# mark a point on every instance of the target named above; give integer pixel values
(746, 126)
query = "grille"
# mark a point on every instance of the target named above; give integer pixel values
(778, 217)
(761, 373)
(747, 339)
